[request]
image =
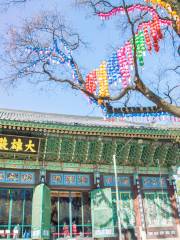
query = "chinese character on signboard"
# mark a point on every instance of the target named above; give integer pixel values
(3, 143)
(19, 144)
(30, 146)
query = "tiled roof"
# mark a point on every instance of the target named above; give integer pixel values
(62, 141)
(52, 118)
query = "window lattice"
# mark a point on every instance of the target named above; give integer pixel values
(107, 150)
(133, 154)
(52, 148)
(94, 152)
(67, 150)
(171, 156)
(80, 152)
(159, 155)
(146, 156)
(122, 153)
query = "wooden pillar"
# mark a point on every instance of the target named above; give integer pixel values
(173, 202)
(176, 197)
(138, 209)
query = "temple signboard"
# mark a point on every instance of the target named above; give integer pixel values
(19, 144)
(17, 177)
(154, 182)
(70, 179)
(122, 181)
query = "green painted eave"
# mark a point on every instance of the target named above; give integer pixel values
(140, 131)
(76, 167)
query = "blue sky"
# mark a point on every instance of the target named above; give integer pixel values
(101, 37)
(29, 97)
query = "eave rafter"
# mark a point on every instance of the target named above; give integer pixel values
(98, 131)
(99, 150)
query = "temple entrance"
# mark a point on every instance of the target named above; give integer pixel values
(15, 213)
(70, 215)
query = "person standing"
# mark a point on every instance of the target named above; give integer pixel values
(16, 231)
(74, 229)
(65, 230)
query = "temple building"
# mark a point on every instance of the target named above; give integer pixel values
(73, 177)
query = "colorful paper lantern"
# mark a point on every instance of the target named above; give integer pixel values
(91, 82)
(169, 10)
(129, 53)
(102, 79)
(124, 67)
(113, 69)
(147, 38)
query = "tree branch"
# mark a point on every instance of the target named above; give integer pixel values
(160, 103)
(122, 93)
(74, 85)
(111, 8)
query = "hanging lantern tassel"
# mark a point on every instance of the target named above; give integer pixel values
(129, 52)
(140, 47)
(158, 28)
(147, 38)
(113, 70)
(102, 78)
(124, 67)
(178, 24)
(142, 43)
(91, 82)
(167, 7)
(177, 20)
(154, 36)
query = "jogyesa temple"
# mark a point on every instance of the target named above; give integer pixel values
(73, 177)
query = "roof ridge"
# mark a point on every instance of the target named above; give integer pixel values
(55, 118)
(44, 113)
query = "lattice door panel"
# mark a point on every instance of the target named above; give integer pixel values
(126, 209)
(158, 212)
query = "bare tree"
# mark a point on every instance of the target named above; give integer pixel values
(41, 51)
(5, 4)
(102, 6)
(9, 2)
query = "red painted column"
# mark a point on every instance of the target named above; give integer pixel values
(137, 211)
(138, 207)
(173, 203)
